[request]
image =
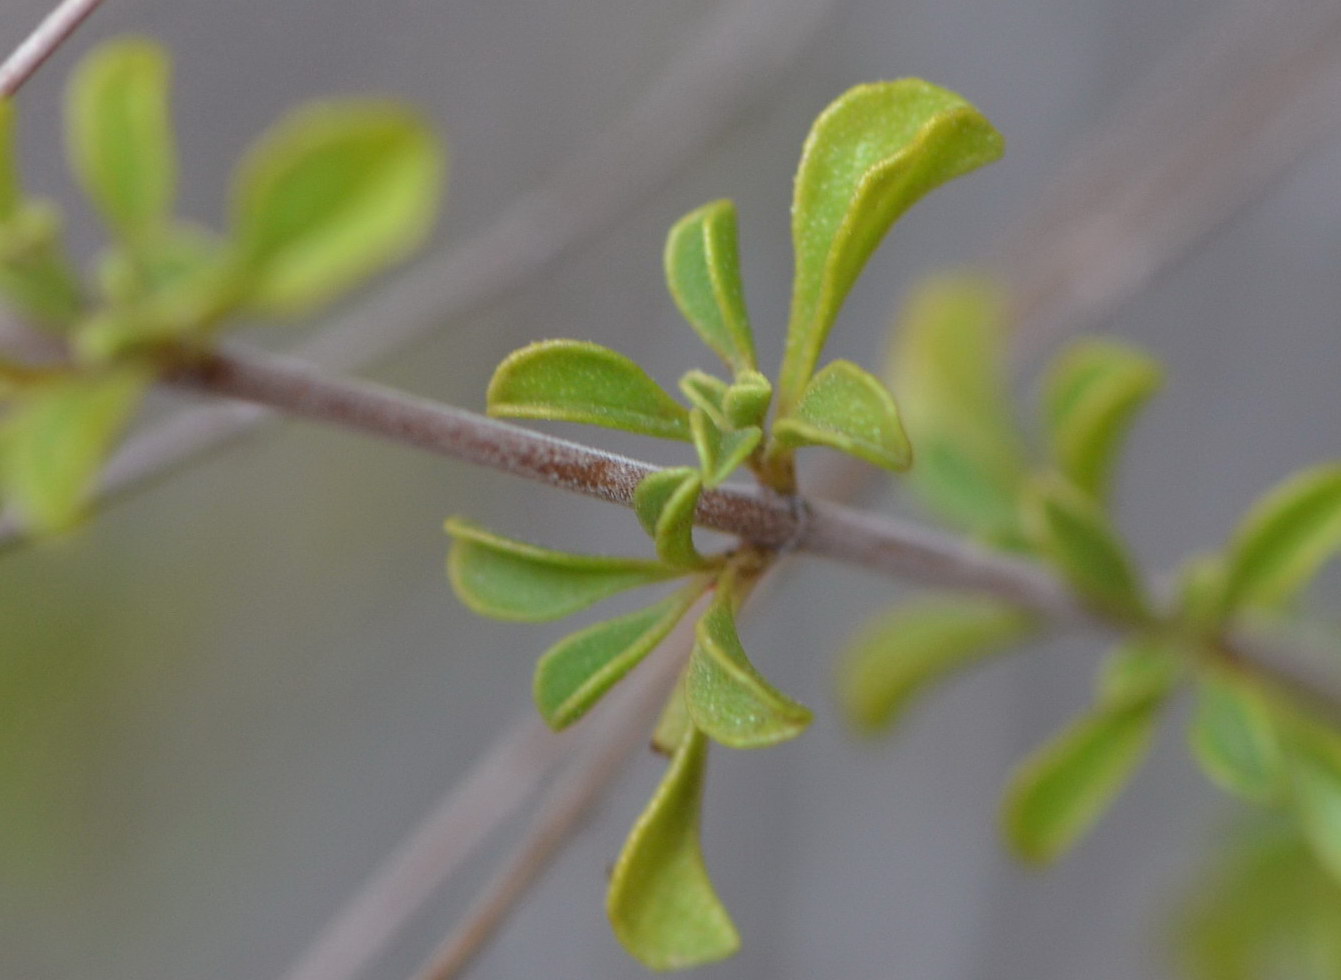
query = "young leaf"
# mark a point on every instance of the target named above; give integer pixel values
(720, 452)
(35, 274)
(845, 408)
(1315, 788)
(708, 393)
(1284, 539)
(746, 401)
(661, 902)
(508, 579)
(703, 272)
(119, 134)
(11, 192)
(1091, 396)
(572, 675)
(949, 368)
(1076, 536)
(1057, 793)
(333, 193)
(900, 654)
(869, 157)
(664, 503)
(577, 381)
(56, 439)
(674, 722)
(727, 698)
(1141, 666)
(1235, 739)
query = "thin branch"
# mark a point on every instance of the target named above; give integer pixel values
(879, 543)
(743, 47)
(42, 43)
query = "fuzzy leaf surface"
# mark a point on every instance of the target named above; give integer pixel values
(746, 401)
(848, 409)
(509, 579)
(119, 134)
(661, 902)
(703, 273)
(578, 381)
(727, 697)
(720, 452)
(899, 655)
(575, 673)
(1092, 394)
(665, 503)
(333, 193)
(869, 157)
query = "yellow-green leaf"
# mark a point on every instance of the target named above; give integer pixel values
(119, 134)
(56, 438)
(1284, 539)
(661, 902)
(1315, 790)
(36, 276)
(577, 381)
(703, 272)
(949, 368)
(664, 503)
(869, 157)
(1057, 794)
(846, 408)
(11, 191)
(1092, 394)
(746, 401)
(509, 579)
(674, 722)
(720, 452)
(727, 698)
(333, 193)
(1143, 665)
(708, 393)
(901, 653)
(572, 675)
(1071, 530)
(1235, 739)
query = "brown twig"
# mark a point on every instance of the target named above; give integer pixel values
(38, 46)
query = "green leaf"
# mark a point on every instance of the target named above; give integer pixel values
(869, 157)
(35, 274)
(661, 902)
(1091, 396)
(11, 190)
(1315, 789)
(746, 401)
(900, 654)
(56, 438)
(728, 699)
(1057, 794)
(674, 723)
(845, 408)
(575, 673)
(509, 579)
(1235, 739)
(721, 452)
(577, 381)
(1144, 665)
(708, 393)
(333, 193)
(664, 503)
(703, 273)
(1284, 539)
(949, 368)
(119, 132)
(1077, 537)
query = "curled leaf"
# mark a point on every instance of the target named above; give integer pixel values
(572, 675)
(509, 579)
(1092, 394)
(720, 452)
(331, 194)
(900, 654)
(746, 401)
(1284, 539)
(1057, 794)
(577, 381)
(119, 132)
(869, 157)
(36, 275)
(661, 902)
(674, 722)
(703, 272)
(708, 393)
(727, 698)
(848, 409)
(664, 503)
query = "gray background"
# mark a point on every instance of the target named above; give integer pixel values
(230, 695)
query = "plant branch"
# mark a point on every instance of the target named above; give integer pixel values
(38, 46)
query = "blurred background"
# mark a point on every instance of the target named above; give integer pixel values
(231, 694)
